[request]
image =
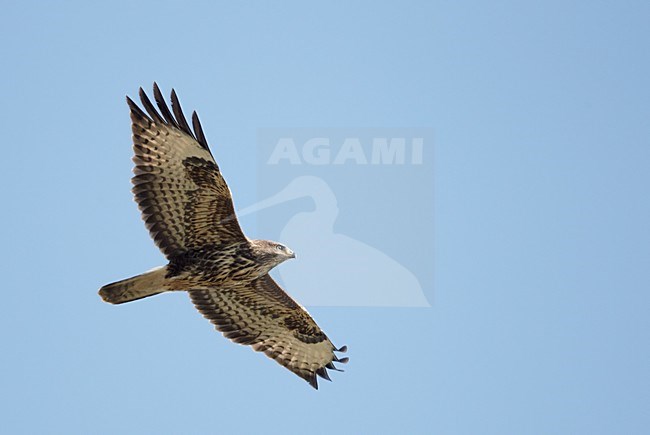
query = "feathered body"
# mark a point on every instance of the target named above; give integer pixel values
(188, 210)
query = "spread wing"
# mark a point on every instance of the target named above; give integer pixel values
(184, 200)
(262, 315)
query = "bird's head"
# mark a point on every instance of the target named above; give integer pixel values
(271, 253)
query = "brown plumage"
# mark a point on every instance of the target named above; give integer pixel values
(188, 210)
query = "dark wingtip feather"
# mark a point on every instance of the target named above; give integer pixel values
(198, 131)
(180, 117)
(135, 109)
(164, 110)
(151, 110)
(331, 366)
(177, 119)
(335, 358)
(313, 382)
(322, 372)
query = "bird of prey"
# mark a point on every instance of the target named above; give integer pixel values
(187, 208)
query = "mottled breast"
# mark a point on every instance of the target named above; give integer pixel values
(216, 264)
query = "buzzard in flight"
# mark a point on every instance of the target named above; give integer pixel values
(188, 210)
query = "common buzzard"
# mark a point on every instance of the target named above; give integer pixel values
(187, 208)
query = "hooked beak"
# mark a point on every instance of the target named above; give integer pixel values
(293, 255)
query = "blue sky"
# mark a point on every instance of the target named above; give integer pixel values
(541, 244)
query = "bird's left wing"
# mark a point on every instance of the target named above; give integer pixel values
(262, 315)
(185, 201)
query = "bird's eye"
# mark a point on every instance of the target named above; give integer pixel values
(279, 247)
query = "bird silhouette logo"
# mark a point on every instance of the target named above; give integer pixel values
(370, 278)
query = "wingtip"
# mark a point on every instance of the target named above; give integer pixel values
(331, 366)
(136, 112)
(180, 116)
(322, 372)
(344, 360)
(313, 381)
(198, 131)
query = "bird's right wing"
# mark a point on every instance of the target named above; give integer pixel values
(184, 200)
(262, 315)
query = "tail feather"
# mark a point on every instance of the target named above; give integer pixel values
(138, 287)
